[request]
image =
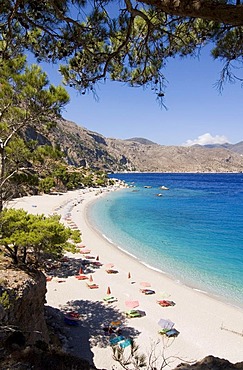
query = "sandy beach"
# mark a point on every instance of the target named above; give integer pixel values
(206, 326)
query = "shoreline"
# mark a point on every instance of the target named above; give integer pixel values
(187, 283)
(207, 326)
(162, 272)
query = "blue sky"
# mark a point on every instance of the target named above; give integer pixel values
(197, 112)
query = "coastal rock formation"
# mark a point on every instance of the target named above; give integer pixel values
(22, 301)
(159, 158)
(82, 147)
(212, 363)
(34, 358)
(24, 336)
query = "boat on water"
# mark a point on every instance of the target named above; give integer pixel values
(163, 187)
(159, 195)
(147, 186)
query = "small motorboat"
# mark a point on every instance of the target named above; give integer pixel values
(164, 187)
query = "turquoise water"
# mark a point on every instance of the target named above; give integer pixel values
(193, 232)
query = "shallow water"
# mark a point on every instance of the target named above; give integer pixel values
(193, 232)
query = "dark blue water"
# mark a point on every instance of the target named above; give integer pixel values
(193, 232)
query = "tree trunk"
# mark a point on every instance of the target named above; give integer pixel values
(15, 255)
(24, 254)
(2, 172)
(208, 10)
(12, 253)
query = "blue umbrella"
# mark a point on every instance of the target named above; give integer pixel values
(166, 323)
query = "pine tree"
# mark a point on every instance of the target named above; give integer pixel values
(24, 234)
(124, 41)
(26, 100)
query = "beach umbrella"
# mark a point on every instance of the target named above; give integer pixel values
(91, 278)
(85, 251)
(80, 246)
(75, 227)
(115, 323)
(108, 290)
(145, 284)
(166, 323)
(132, 304)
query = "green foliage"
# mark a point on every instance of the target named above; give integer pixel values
(157, 358)
(88, 181)
(26, 100)
(61, 177)
(131, 359)
(74, 180)
(69, 247)
(43, 152)
(17, 152)
(26, 88)
(76, 236)
(5, 300)
(101, 182)
(45, 185)
(23, 233)
(131, 43)
(77, 178)
(229, 48)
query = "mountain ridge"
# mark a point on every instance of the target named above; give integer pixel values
(237, 148)
(82, 147)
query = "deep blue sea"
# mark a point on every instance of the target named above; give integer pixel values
(193, 232)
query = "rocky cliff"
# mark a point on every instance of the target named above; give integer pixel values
(211, 363)
(25, 343)
(22, 298)
(82, 147)
(159, 158)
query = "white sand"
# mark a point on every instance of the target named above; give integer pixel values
(197, 316)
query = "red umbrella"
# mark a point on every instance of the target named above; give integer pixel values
(108, 290)
(80, 271)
